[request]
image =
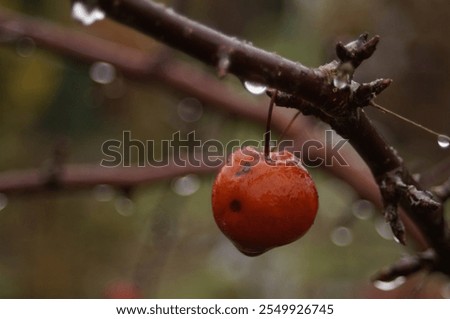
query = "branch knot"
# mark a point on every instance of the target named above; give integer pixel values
(357, 51)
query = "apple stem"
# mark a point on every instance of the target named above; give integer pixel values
(269, 121)
(286, 129)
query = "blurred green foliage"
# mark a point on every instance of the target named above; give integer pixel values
(69, 245)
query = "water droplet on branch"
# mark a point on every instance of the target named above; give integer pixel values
(383, 229)
(341, 81)
(255, 88)
(86, 14)
(397, 240)
(389, 285)
(443, 141)
(3, 201)
(102, 72)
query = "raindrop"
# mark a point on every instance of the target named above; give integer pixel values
(353, 45)
(383, 229)
(3, 201)
(341, 236)
(102, 72)
(389, 285)
(396, 239)
(186, 185)
(190, 109)
(443, 141)
(341, 81)
(362, 209)
(445, 291)
(87, 15)
(104, 193)
(25, 47)
(255, 88)
(124, 206)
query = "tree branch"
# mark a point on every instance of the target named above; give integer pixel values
(316, 86)
(142, 66)
(246, 61)
(77, 177)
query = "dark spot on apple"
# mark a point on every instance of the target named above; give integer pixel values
(235, 205)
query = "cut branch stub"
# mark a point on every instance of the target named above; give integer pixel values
(394, 190)
(368, 91)
(422, 199)
(391, 198)
(357, 51)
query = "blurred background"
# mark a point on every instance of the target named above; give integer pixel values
(98, 242)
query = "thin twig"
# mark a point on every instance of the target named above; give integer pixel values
(76, 177)
(267, 134)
